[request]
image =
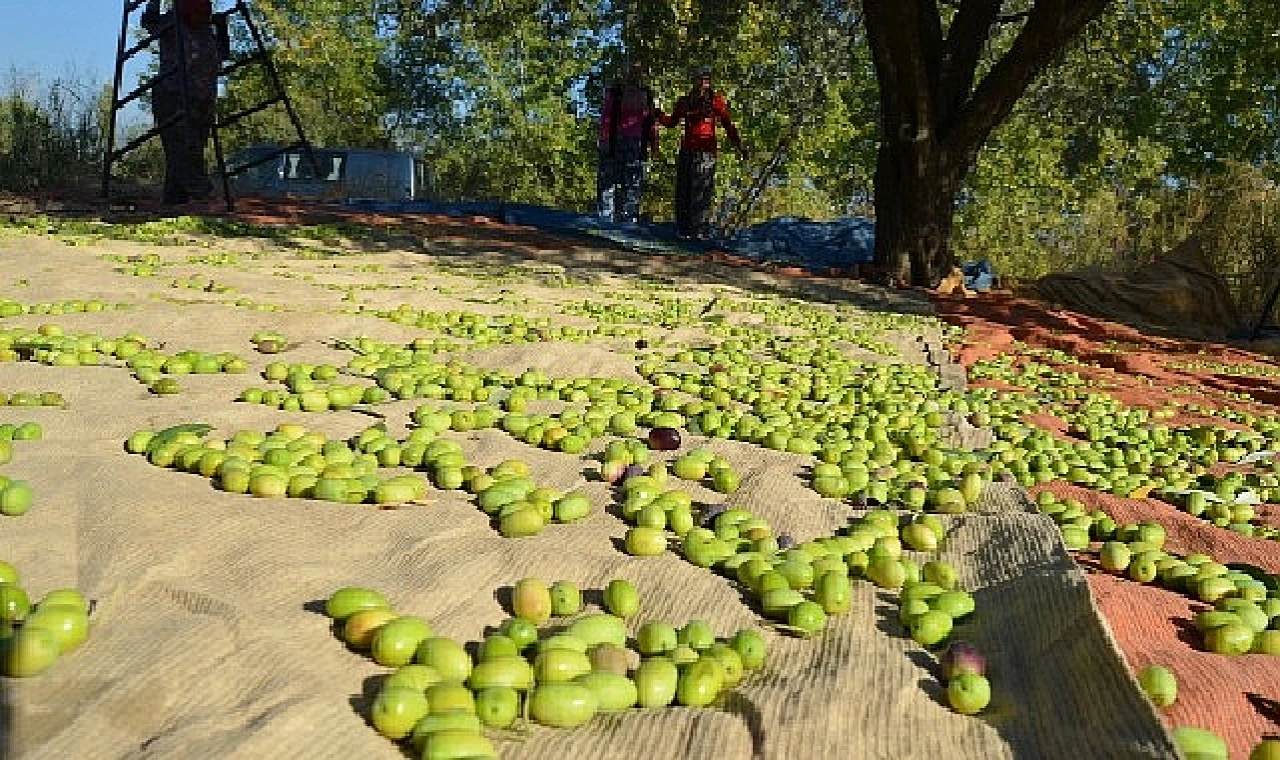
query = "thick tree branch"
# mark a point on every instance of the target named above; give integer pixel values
(929, 23)
(966, 39)
(1008, 18)
(1053, 24)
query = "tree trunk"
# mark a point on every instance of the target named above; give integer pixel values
(915, 203)
(935, 114)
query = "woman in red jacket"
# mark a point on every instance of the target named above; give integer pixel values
(700, 109)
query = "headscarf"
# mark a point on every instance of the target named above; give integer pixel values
(700, 102)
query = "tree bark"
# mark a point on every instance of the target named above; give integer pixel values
(915, 197)
(934, 118)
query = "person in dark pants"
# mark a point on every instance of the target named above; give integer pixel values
(185, 174)
(700, 109)
(628, 138)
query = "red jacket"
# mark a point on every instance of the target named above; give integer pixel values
(700, 125)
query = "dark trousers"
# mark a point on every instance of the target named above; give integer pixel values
(620, 180)
(695, 190)
(185, 173)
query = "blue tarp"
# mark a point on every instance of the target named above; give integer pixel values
(839, 243)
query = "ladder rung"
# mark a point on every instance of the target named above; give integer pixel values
(265, 158)
(138, 48)
(127, 99)
(145, 42)
(238, 115)
(238, 64)
(143, 88)
(150, 133)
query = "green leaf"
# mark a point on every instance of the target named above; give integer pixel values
(167, 435)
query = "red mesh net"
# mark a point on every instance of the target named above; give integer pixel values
(1236, 697)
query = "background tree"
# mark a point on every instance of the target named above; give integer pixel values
(504, 97)
(50, 134)
(1068, 178)
(1162, 110)
(332, 57)
(495, 95)
(1005, 136)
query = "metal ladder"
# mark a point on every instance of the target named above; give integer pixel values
(258, 55)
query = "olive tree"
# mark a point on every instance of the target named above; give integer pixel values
(943, 89)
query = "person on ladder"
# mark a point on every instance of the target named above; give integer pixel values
(185, 175)
(700, 109)
(628, 138)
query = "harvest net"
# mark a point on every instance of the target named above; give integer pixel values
(208, 638)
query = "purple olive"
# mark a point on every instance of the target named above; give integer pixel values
(962, 657)
(633, 470)
(785, 541)
(664, 439)
(711, 512)
(613, 471)
(642, 344)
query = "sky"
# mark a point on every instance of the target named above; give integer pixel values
(73, 39)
